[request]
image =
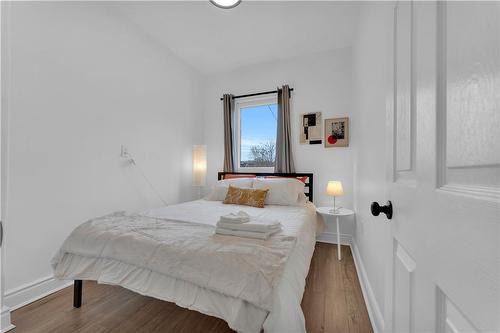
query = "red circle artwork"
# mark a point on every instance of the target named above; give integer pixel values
(332, 139)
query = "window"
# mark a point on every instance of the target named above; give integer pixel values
(256, 122)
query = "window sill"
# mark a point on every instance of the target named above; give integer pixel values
(257, 169)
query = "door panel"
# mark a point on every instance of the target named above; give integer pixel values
(450, 319)
(471, 38)
(445, 264)
(403, 77)
(404, 267)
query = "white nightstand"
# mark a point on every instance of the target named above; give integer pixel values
(327, 212)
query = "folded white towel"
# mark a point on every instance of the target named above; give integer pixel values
(240, 217)
(254, 225)
(245, 234)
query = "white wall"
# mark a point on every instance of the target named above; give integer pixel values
(371, 71)
(321, 82)
(80, 83)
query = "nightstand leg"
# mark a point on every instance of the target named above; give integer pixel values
(338, 239)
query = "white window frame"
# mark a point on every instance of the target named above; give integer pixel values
(245, 103)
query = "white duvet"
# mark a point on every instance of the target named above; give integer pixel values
(172, 253)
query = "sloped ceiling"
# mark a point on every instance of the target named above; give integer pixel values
(212, 40)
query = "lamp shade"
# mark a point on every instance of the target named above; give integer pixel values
(199, 165)
(334, 188)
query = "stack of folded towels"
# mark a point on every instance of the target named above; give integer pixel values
(242, 225)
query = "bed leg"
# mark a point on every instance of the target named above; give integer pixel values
(77, 294)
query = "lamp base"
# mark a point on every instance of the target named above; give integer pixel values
(335, 209)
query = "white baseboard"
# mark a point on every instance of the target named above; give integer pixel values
(5, 324)
(376, 316)
(331, 237)
(31, 292)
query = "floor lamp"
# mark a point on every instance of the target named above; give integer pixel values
(199, 167)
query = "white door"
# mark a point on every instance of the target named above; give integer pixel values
(443, 169)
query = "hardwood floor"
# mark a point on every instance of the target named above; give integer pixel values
(332, 302)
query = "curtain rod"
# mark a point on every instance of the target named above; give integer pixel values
(256, 94)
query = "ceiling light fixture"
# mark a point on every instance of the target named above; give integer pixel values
(226, 4)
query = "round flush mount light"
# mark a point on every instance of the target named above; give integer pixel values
(225, 4)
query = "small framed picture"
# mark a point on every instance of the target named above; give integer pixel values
(311, 127)
(337, 132)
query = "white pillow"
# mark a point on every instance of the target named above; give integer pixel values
(282, 191)
(219, 190)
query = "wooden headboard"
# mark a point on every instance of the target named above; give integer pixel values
(308, 189)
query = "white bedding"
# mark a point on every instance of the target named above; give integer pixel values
(270, 300)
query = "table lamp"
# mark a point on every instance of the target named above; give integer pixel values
(334, 189)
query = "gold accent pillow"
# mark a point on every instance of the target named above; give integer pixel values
(246, 196)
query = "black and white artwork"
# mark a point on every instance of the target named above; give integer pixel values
(337, 132)
(311, 128)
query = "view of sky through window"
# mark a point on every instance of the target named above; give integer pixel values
(258, 135)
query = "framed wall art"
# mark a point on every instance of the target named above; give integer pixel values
(311, 130)
(337, 132)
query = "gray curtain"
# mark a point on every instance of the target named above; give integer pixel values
(228, 102)
(284, 158)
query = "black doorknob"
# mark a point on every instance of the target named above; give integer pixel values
(377, 209)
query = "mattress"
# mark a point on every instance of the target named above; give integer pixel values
(283, 314)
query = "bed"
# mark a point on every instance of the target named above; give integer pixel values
(171, 253)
